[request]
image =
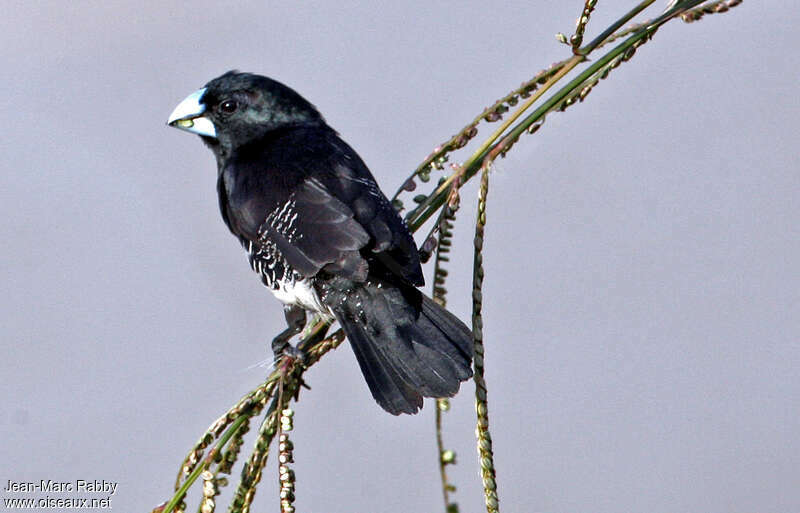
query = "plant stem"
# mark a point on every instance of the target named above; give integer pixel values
(473, 165)
(586, 50)
(223, 440)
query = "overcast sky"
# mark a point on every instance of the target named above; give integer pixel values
(642, 293)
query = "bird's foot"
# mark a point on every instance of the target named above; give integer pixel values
(294, 353)
(296, 321)
(284, 349)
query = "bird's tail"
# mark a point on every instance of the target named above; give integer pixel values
(408, 346)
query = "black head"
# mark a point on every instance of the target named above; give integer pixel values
(237, 108)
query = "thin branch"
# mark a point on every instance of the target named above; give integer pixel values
(481, 396)
(473, 165)
(599, 40)
(439, 156)
(286, 477)
(577, 38)
(439, 294)
(181, 492)
(710, 8)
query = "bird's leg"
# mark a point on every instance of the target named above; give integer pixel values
(296, 320)
(318, 323)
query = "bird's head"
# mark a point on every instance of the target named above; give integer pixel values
(238, 108)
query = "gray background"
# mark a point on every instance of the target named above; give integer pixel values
(642, 291)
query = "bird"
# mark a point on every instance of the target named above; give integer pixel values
(324, 238)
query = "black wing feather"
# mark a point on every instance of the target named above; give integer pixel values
(314, 229)
(349, 179)
(309, 193)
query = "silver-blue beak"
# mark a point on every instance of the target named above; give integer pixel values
(188, 115)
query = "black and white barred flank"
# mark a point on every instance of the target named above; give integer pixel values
(264, 255)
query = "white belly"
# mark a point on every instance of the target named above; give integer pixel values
(300, 293)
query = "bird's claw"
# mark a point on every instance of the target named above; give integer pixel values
(292, 353)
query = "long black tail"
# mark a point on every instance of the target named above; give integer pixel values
(407, 345)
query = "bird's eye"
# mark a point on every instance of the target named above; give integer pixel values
(228, 106)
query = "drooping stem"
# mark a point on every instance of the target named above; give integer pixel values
(485, 452)
(445, 236)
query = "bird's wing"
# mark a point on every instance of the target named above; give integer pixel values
(310, 194)
(313, 229)
(348, 179)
